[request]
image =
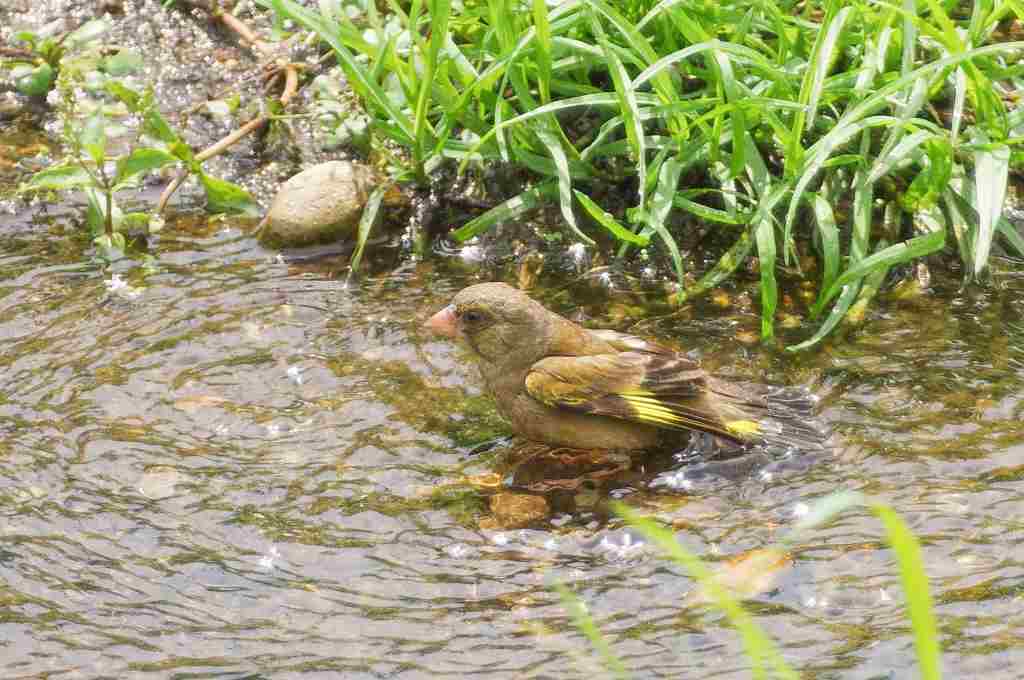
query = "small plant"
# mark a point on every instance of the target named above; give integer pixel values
(35, 70)
(90, 168)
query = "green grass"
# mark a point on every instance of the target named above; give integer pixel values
(763, 654)
(791, 128)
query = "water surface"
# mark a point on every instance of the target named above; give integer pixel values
(240, 467)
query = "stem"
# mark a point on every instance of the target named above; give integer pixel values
(290, 88)
(109, 226)
(108, 218)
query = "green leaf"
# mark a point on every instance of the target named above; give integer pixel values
(551, 142)
(911, 249)
(915, 588)
(508, 210)
(829, 233)
(854, 119)
(1011, 234)
(136, 220)
(542, 49)
(726, 265)
(629, 108)
(424, 136)
(60, 177)
(886, 162)
(926, 188)
(183, 152)
(661, 205)
(27, 36)
(366, 88)
(155, 125)
(96, 211)
(606, 220)
(761, 650)
(991, 167)
(839, 310)
(130, 97)
(123, 63)
(581, 619)
(821, 60)
(764, 234)
(225, 197)
(94, 137)
(141, 161)
(35, 82)
(709, 214)
(370, 215)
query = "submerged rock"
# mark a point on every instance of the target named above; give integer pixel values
(320, 204)
(514, 510)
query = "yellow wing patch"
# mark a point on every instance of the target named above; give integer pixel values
(649, 408)
(743, 427)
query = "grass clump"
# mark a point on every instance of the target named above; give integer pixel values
(793, 128)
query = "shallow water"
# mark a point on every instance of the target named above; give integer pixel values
(243, 468)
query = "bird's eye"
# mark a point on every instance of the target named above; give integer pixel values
(472, 316)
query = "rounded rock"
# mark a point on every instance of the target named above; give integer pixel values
(321, 204)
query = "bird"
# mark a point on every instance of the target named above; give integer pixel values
(563, 385)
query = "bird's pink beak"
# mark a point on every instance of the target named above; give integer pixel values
(443, 323)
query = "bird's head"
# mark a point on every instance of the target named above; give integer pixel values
(502, 325)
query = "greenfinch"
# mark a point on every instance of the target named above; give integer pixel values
(560, 384)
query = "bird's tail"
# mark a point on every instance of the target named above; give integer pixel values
(779, 420)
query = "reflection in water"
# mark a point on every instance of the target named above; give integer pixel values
(248, 468)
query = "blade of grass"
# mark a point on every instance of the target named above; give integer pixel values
(829, 233)
(855, 117)
(638, 44)
(723, 269)
(658, 67)
(760, 649)
(1011, 234)
(369, 218)
(709, 214)
(581, 619)
(991, 168)
(542, 49)
(764, 233)
(507, 210)
(885, 163)
(661, 205)
(440, 11)
(823, 58)
(915, 588)
(911, 249)
(606, 220)
(554, 147)
(627, 106)
(870, 284)
(839, 310)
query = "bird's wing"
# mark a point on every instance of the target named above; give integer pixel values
(624, 342)
(664, 389)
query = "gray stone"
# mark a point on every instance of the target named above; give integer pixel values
(321, 204)
(10, 106)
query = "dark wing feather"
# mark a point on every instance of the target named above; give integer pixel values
(664, 389)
